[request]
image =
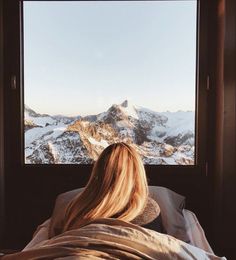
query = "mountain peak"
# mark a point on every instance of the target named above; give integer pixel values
(128, 108)
(127, 103)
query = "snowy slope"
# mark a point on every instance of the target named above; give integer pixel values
(160, 138)
(37, 119)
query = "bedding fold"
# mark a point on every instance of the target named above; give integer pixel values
(112, 239)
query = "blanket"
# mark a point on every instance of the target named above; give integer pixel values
(112, 239)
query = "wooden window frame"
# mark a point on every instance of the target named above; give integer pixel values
(14, 107)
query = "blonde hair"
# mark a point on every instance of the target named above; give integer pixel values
(117, 188)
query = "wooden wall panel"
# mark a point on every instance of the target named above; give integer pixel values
(1, 127)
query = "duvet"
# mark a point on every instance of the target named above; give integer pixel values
(112, 239)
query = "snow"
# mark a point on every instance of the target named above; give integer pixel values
(179, 122)
(129, 110)
(169, 160)
(102, 143)
(47, 132)
(41, 120)
(28, 151)
(68, 147)
(53, 151)
(158, 133)
(101, 116)
(146, 110)
(125, 124)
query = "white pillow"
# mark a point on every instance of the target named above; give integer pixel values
(170, 203)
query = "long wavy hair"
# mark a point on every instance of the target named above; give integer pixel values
(117, 188)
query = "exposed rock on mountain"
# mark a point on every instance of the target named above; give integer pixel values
(160, 138)
(182, 138)
(95, 136)
(29, 125)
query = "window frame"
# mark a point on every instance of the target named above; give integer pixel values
(14, 105)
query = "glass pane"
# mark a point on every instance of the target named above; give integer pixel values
(101, 72)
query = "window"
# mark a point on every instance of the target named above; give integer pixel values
(107, 71)
(24, 75)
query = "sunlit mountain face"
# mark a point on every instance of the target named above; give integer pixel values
(165, 138)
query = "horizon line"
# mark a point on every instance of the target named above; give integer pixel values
(93, 114)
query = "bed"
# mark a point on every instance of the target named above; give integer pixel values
(115, 239)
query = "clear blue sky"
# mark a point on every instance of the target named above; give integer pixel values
(82, 57)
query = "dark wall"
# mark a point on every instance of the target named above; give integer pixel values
(228, 210)
(222, 163)
(1, 125)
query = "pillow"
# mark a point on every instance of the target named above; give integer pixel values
(170, 203)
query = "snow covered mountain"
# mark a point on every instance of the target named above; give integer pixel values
(160, 138)
(35, 119)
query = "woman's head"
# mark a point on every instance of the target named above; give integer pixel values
(117, 188)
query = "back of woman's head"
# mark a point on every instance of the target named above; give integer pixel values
(117, 188)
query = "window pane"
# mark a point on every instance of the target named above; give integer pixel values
(101, 72)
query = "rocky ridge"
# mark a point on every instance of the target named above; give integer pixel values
(161, 138)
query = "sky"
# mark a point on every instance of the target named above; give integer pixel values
(82, 57)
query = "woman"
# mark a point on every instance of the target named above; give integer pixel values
(117, 188)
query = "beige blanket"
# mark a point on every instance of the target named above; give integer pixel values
(112, 239)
